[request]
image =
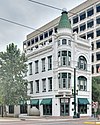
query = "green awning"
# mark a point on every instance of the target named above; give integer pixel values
(83, 101)
(46, 102)
(34, 101)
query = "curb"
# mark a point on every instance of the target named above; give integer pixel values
(93, 123)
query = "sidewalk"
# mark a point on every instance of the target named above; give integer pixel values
(42, 118)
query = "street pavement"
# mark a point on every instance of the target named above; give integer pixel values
(48, 121)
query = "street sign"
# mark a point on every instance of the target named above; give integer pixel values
(95, 105)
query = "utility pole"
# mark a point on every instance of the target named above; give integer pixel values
(75, 115)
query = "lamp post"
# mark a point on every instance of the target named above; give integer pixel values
(74, 92)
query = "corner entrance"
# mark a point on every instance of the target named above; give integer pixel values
(64, 107)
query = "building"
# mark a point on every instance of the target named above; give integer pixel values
(59, 70)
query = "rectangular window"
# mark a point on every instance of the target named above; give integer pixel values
(98, 44)
(32, 41)
(83, 36)
(97, 32)
(30, 68)
(49, 62)
(98, 8)
(69, 58)
(37, 86)
(90, 23)
(55, 29)
(69, 80)
(43, 65)
(31, 87)
(75, 19)
(50, 84)
(90, 12)
(90, 34)
(45, 34)
(36, 39)
(11, 109)
(43, 85)
(75, 29)
(36, 67)
(41, 37)
(82, 27)
(28, 43)
(50, 32)
(82, 16)
(98, 20)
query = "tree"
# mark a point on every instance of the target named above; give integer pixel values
(96, 89)
(13, 67)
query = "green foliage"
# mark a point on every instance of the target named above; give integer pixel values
(13, 85)
(96, 89)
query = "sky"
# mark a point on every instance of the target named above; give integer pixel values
(29, 14)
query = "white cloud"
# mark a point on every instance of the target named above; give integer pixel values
(27, 13)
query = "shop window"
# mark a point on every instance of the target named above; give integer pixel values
(90, 12)
(23, 109)
(11, 109)
(82, 109)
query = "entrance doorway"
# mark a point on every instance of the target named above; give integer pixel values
(64, 107)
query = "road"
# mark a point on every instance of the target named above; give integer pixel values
(45, 122)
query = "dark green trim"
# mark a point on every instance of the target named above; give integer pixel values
(46, 102)
(83, 101)
(64, 21)
(34, 101)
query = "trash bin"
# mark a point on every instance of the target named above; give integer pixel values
(78, 115)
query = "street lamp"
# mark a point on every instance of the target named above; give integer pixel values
(74, 93)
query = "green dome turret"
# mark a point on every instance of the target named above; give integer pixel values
(64, 21)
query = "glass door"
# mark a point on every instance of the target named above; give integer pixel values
(64, 107)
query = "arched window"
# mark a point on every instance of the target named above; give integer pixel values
(82, 83)
(82, 63)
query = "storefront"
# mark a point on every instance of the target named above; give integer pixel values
(47, 106)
